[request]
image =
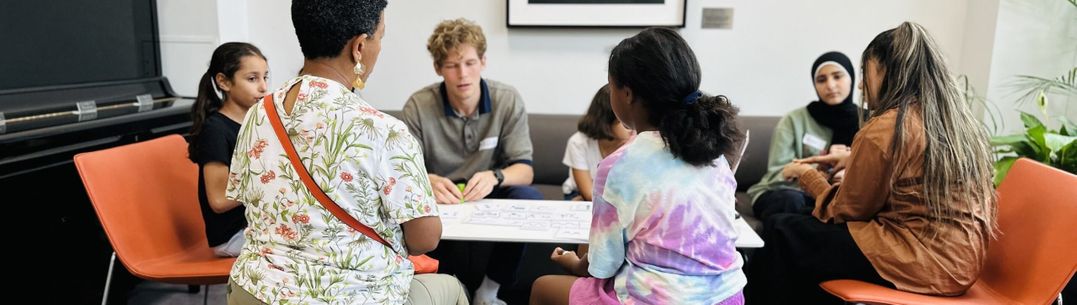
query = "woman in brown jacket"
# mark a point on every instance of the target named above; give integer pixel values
(916, 208)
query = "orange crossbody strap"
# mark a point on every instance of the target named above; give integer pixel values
(301, 171)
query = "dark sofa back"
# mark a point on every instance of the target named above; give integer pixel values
(549, 136)
(550, 132)
(753, 165)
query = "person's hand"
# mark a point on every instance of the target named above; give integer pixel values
(834, 149)
(838, 148)
(838, 177)
(793, 170)
(565, 259)
(445, 192)
(480, 185)
(833, 159)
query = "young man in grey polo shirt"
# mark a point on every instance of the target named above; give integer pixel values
(473, 131)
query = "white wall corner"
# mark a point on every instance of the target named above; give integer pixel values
(981, 21)
(1036, 38)
(189, 32)
(232, 20)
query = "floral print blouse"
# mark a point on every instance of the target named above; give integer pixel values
(297, 252)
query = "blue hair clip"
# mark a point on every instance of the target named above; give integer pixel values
(692, 98)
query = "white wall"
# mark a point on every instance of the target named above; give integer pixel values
(1034, 37)
(189, 33)
(271, 30)
(232, 20)
(762, 63)
(978, 48)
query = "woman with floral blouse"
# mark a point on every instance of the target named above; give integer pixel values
(297, 252)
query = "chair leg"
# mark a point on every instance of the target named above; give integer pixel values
(205, 297)
(108, 279)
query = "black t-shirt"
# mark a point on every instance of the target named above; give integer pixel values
(215, 144)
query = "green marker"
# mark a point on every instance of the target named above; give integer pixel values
(461, 186)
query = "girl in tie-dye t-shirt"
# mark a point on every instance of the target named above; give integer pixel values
(662, 230)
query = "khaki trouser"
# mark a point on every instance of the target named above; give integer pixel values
(426, 289)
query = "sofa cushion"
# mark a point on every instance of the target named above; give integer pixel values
(549, 136)
(550, 132)
(550, 191)
(753, 165)
(399, 114)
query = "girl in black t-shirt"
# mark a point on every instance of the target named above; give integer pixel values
(238, 72)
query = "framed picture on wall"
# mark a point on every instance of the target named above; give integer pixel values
(595, 13)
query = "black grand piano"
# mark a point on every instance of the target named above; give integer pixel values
(75, 76)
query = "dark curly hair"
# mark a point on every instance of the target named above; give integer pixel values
(662, 72)
(325, 26)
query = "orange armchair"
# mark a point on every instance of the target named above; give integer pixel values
(146, 196)
(1031, 261)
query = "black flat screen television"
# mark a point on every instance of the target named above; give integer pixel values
(55, 54)
(56, 43)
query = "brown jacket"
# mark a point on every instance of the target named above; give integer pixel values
(888, 219)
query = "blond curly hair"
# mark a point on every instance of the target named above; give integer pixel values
(450, 34)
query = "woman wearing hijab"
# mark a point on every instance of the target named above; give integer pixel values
(917, 208)
(825, 125)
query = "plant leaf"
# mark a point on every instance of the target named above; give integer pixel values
(1002, 167)
(1067, 158)
(1038, 144)
(1020, 144)
(1065, 84)
(1007, 140)
(1029, 120)
(1055, 142)
(1067, 128)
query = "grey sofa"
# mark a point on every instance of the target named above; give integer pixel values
(549, 136)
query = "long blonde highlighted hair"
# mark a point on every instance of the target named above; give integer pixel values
(958, 163)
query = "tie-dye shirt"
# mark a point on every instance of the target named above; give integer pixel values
(663, 229)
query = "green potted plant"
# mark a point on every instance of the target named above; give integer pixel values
(1055, 147)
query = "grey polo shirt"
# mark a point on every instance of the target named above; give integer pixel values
(457, 147)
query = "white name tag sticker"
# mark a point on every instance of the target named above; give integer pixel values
(488, 143)
(814, 142)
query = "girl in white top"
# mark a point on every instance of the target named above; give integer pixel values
(599, 134)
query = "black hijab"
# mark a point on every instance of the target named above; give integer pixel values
(841, 118)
